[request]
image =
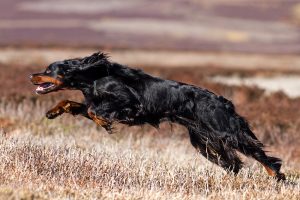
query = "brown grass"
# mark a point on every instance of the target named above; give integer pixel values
(64, 159)
(71, 158)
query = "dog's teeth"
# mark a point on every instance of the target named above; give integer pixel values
(39, 88)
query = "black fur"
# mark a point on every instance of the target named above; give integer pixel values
(130, 96)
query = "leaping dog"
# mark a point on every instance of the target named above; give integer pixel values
(117, 93)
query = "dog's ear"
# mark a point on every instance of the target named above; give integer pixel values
(95, 60)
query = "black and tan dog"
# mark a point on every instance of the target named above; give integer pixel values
(116, 93)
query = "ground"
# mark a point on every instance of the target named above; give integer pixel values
(72, 158)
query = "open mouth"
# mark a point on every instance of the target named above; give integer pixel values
(45, 84)
(45, 88)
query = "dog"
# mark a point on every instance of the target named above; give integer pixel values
(117, 93)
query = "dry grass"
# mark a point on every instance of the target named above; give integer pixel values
(71, 158)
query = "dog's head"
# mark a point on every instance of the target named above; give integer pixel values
(69, 74)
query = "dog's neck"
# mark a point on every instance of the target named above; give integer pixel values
(84, 80)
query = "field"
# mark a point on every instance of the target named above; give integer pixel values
(72, 158)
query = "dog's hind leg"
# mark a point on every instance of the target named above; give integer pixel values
(247, 143)
(271, 164)
(217, 152)
(67, 106)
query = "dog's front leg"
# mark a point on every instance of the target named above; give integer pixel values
(99, 120)
(67, 106)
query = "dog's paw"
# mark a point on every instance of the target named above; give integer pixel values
(280, 177)
(53, 114)
(108, 128)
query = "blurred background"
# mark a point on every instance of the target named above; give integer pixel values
(245, 50)
(226, 34)
(259, 26)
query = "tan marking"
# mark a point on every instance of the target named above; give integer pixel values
(64, 106)
(39, 79)
(67, 107)
(56, 110)
(61, 107)
(97, 119)
(270, 171)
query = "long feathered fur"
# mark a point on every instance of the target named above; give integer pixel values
(119, 93)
